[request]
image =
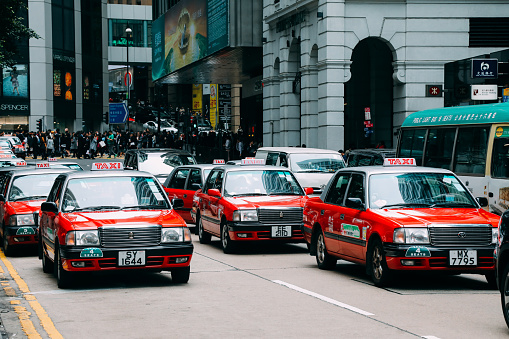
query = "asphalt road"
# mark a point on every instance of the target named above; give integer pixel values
(264, 291)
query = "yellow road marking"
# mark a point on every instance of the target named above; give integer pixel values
(23, 315)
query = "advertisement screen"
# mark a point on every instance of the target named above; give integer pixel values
(188, 32)
(15, 81)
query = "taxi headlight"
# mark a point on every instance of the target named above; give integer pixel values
(245, 215)
(411, 236)
(22, 220)
(175, 234)
(494, 235)
(82, 238)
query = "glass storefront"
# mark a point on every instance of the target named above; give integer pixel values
(142, 33)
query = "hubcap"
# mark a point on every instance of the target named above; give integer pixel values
(200, 228)
(377, 263)
(225, 236)
(320, 251)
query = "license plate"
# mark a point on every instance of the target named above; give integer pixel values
(131, 258)
(463, 258)
(281, 231)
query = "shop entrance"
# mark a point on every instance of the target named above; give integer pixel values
(369, 89)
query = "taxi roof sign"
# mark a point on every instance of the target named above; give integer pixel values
(21, 163)
(399, 162)
(42, 165)
(218, 162)
(52, 159)
(107, 166)
(252, 161)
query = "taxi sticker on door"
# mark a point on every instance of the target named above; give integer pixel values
(352, 231)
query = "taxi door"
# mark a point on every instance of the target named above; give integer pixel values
(208, 204)
(4, 183)
(353, 228)
(48, 229)
(177, 189)
(332, 211)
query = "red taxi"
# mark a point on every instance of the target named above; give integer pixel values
(401, 218)
(109, 219)
(248, 203)
(22, 193)
(184, 181)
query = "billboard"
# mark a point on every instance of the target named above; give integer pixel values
(188, 32)
(15, 81)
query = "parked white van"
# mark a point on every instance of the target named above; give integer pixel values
(313, 167)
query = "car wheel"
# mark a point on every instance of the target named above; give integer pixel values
(5, 245)
(180, 275)
(377, 266)
(324, 260)
(64, 278)
(227, 244)
(504, 293)
(47, 265)
(491, 278)
(202, 235)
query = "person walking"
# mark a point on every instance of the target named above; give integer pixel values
(50, 145)
(93, 145)
(74, 144)
(110, 142)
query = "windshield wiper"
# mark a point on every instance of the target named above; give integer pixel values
(144, 207)
(407, 204)
(33, 197)
(311, 171)
(246, 194)
(452, 204)
(96, 208)
(283, 193)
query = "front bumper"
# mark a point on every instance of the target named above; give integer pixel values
(163, 257)
(18, 235)
(257, 231)
(433, 258)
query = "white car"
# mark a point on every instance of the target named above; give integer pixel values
(165, 126)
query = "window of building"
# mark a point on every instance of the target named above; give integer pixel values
(141, 36)
(489, 32)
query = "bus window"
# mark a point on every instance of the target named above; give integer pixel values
(439, 147)
(500, 158)
(412, 144)
(471, 150)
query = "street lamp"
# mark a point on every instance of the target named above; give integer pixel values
(128, 32)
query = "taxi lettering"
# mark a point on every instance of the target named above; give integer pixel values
(399, 161)
(104, 166)
(43, 165)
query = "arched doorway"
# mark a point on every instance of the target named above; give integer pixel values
(371, 86)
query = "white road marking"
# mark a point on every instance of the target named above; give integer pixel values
(430, 337)
(323, 298)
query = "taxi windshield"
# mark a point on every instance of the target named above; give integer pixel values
(113, 193)
(418, 190)
(312, 162)
(258, 182)
(157, 163)
(31, 187)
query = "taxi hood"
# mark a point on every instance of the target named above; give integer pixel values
(266, 201)
(26, 207)
(315, 180)
(123, 218)
(426, 216)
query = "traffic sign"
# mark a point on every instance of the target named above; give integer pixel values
(118, 113)
(127, 77)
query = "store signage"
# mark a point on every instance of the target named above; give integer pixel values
(121, 42)
(484, 92)
(11, 107)
(485, 68)
(433, 90)
(290, 21)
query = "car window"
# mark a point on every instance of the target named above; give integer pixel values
(29, 187)
(194, 179)
(282, 160)
(337, 190)
(218, 184)
(378, 161)
(210, 181)
(356, 187)
(179, 179)
(272, 158)
(363, 160)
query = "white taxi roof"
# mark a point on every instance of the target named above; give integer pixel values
(303, 150)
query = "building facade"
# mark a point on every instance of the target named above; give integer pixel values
(342, 74)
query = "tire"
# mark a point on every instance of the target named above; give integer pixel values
(227, 244)
(5, 245)
(377, 265)
(323, 259)
(202, 235)
(491, 278)
(64, 278)
(504, 293)
(47, 265)
(180, 275)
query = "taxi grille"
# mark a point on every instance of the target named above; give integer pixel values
(280, 216)
(475, 235)
(112, 236)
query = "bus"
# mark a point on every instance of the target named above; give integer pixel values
(472, 141)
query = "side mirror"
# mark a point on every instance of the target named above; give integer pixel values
(177, 203)
(50, 208)
(195, 186)
(482, 201)
(2, 198)
(355, 203)
(309, 190)
(214, 192)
